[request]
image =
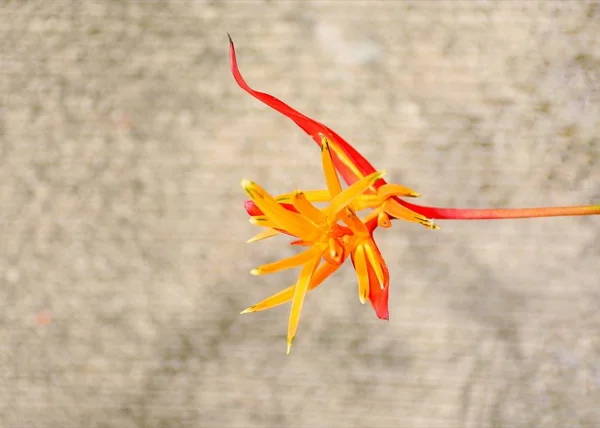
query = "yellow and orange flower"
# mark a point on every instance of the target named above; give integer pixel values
(329, 242)
(337, 232)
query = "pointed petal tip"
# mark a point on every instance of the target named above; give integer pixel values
(246, 311)
(246, 184)
(229, 37)
(378, 174)
(289, 346)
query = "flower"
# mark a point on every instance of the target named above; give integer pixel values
(319, 230)
(294, 214)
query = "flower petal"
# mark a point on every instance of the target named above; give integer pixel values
(289, 262)
(395, 209)
(379, 296)
(261, 220)
(389, 189)
(304, 207)
(279, 216)
(331, 178)
(311, 195)
(349, 162)
(263, 235)
(376, 262)
(253, 210)
(284, 296)
(298, 300)
(362, 273)
(345, 198)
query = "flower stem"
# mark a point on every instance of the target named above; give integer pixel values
(500, 213)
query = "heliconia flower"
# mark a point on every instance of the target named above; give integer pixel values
(326, 239)
(381, 198)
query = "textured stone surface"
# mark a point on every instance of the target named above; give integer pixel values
(123, 266)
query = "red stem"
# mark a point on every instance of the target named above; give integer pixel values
(500, 213)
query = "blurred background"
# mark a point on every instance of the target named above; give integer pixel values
(123, 263)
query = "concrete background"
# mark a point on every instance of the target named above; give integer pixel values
(123, 263)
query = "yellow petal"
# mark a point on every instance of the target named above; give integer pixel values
(389, 189)
(343, 157)
(283, 219)
(360, 264)
(343, 199)
(354, 223)
(298, 299)
(287, 263)
(311, 195)
(263, 235)
(383, 220)
(304, 207)
(331, 177)
(375, 261)
(261, 220)
(394, 209)
(284, 296)
(366, 200)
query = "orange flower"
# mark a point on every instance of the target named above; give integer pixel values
(327, 240)
(294, 214)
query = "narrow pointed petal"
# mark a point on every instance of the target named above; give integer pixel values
(284, 296)
(388, 190)
(298, 299)
(304, 207)
(331, 178)
(394, 209)
(261, 220)
(342, 200)
(351, 164)
(301, 243)
(379, 296)
(253, 210)
(383, 220)
(362, 273)
(311, 195)
(287, 263)
(376, 262)
(263, 235)
(282, 218)
(356, 225)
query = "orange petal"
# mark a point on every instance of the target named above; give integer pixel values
(311, 195)
(394, 209)
(379, 296)
(345, 198)
(389, 189)
(375, 260)
(284, 296)
(331, 178)
(281, 217)
(383, 220)
(298, 300)
(263, 235)
(261, 220)
(290, 262)
(362, 273)
(304, 207)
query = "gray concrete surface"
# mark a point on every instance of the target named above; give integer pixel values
(123, 266)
